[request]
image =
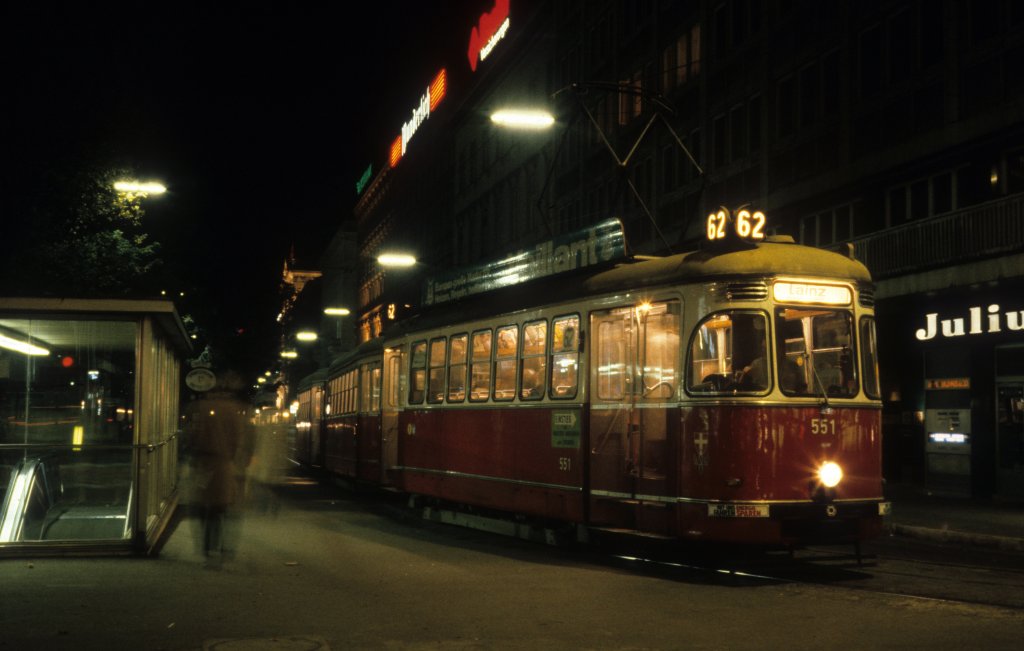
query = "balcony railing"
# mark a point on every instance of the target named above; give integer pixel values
(980, 231)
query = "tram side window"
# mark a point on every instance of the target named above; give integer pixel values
(728, 354)
(534, 360)
(611, 360)
(370, 386)
(480, 369)
(457, 368)
(505, 363)
(565, 356)
(815, 352)
(418, 373)
(435, 380)
(660, 331)
(869, 357)
(391, 390)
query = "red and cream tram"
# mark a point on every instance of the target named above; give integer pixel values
(728, 394)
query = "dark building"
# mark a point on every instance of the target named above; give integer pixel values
(896, 128)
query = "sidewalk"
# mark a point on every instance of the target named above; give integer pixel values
(964, 521)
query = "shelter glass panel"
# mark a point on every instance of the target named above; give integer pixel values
(67, 422)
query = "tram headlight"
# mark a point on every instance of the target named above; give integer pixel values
(830, 474)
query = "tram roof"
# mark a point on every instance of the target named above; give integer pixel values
(779, 256)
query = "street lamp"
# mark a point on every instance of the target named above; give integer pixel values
(523, 119)
(396, 260)
(139, 189)
(534, 119)
(337, 311)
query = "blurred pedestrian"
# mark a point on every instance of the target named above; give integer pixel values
(220, 440)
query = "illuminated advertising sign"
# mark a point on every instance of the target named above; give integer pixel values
(431, 97)
(364, 179)
(490, 29)
(976, 323)
(600, 243)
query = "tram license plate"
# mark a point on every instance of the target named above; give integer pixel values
(738, 510)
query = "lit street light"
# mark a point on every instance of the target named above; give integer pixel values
(397, 260)
(523, 119)
(337, 311)
(140, 189)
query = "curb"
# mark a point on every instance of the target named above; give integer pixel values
(1004, 543)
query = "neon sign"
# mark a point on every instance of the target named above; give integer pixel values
(428, 102)
(490, 29)
(976, 323)
(361, 183)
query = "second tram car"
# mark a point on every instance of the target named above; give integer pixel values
(726, 394)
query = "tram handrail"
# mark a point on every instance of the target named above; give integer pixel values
(149, 447)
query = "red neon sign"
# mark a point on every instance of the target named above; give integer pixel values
(428, 102)
(489, 30)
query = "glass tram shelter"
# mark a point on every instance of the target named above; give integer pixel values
(89, 396)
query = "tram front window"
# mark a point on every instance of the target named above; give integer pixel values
(729, 354)
(816, 352)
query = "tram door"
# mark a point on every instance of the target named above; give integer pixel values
(633, 378)
(389, 412)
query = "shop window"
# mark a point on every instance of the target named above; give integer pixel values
(505, 363)
(565, 357)
(534, 360)
(480, 368)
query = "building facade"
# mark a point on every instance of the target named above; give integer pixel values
(895, 127)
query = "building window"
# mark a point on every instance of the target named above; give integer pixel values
(786, 107)
(720, 150)
(808, 95)
(870, 62)
(738, 124)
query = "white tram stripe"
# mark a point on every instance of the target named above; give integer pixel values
(505, 480)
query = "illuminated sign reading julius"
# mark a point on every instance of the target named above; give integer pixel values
(976, 323)
(428, 102)
(490, 29)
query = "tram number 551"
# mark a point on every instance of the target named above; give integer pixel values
(565, 463)
(823, 426)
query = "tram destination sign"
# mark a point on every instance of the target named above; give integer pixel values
(591, 246)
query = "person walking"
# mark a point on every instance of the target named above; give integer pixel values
(220, 439)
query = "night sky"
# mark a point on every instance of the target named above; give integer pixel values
(258, 116)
